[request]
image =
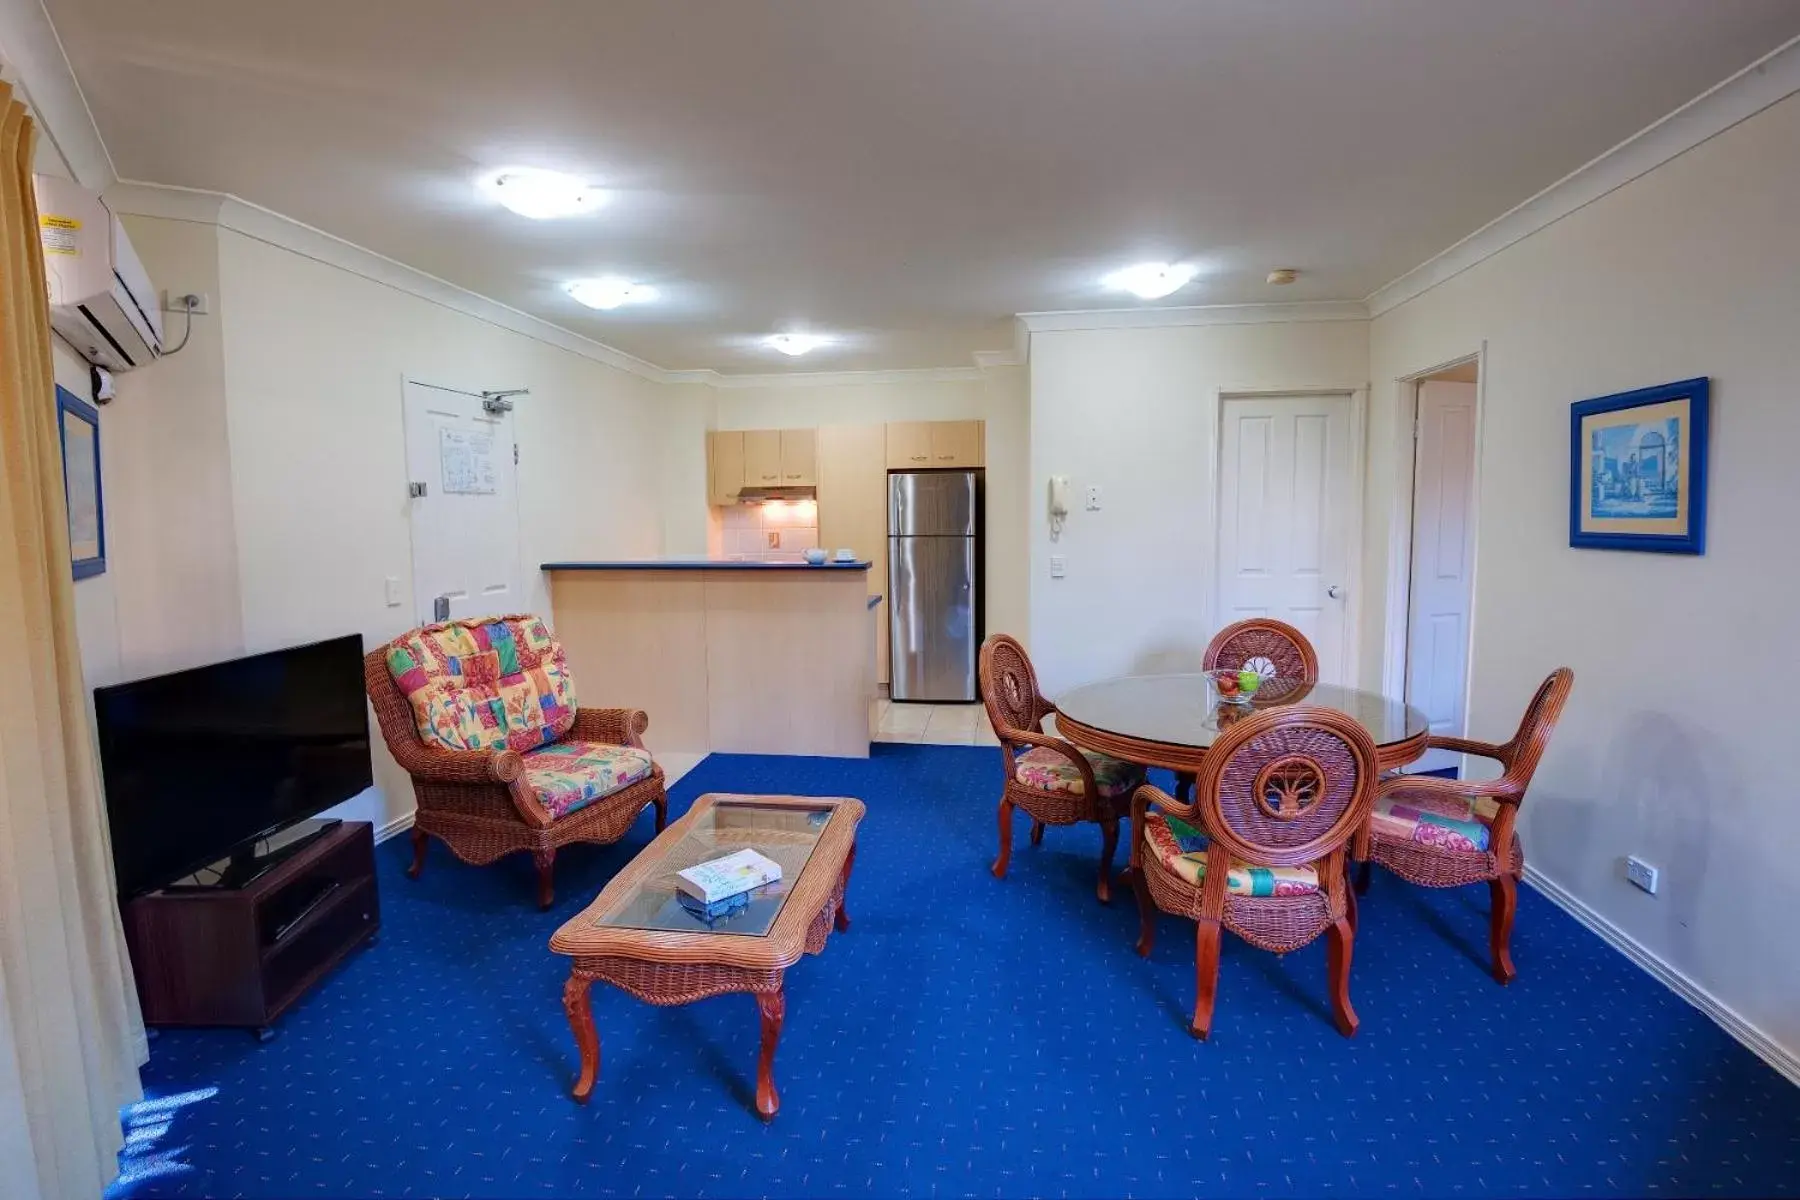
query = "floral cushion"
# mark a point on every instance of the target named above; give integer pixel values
(495, 684)
(1183, 849)
(571, 775)
(1049, 771)
(1446, 822)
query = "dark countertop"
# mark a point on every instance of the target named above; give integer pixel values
(699, 564)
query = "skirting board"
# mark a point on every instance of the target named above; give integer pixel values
(396, 826)
(1723, 1015)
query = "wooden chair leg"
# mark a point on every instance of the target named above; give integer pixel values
(546, 867)
(1340, 939)
(1350, 908)
(1037, 833)
(1504, 893)
(662, 812)
(1109, 846)
(1146, 914)
(1006, 814)
(418, 863)
(1206, 977)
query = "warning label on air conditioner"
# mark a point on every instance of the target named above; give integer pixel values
(61, 235)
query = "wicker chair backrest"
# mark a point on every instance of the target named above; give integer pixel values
(1269, 647)
(1009, 687)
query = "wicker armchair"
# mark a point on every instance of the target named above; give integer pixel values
(1280, 794)
(1449, 832)
(573, 775)
(1052, 780)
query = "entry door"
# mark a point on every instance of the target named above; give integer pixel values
(465, 526)
(1286, 515)
(1443, 559)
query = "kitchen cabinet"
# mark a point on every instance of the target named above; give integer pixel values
(956, 444)
(853, 511)
(762, 458)
(919, 445)
(799, 457)
(725, 467)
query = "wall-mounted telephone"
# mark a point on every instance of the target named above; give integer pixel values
(1059, 504)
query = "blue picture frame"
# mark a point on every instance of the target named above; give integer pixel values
(78, 431)
(1637, 469)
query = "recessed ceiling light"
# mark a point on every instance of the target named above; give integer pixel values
(1281, 275)
(609, 291)
(540, 194)
(795, 343)
(1152, 281)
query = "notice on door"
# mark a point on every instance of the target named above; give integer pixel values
(467, 459)
(61, 235)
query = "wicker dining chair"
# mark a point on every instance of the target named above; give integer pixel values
(1280, 795)
(1273, 649)
(482, 715)
(1449, 832)
(1053, 781)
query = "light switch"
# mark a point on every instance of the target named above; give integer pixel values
(393, 591)
(1093, 497)
(1059, 566)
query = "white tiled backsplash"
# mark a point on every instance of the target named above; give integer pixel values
(775, 531)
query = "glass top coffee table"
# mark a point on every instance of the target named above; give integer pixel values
(639, 937)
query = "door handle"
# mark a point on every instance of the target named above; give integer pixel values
(1335, 592)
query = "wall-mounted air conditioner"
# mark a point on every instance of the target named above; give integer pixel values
(101, 299)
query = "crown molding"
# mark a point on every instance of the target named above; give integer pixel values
(1765, 82)
(33, 52)
(1200, 314)
(718, 379)
(988, 360)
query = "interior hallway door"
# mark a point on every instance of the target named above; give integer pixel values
(1287, 500)
(1443, 561)
(463, 484)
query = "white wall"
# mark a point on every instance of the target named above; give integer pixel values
(314, 358)
(1136, 412)
(1677, 743)
(999, 397)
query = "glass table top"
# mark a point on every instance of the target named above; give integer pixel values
(787, 833)
(1185, 710)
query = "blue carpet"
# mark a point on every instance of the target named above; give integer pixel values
(974, 1037)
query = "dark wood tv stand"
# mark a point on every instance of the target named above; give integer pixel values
(211, 956)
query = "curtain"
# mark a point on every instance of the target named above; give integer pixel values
(71, 1037)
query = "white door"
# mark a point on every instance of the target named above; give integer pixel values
(465, 525)
(1287, 499)
(1443, 558)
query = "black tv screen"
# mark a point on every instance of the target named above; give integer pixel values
(204, 762)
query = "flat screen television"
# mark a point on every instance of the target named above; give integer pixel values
(203, 764)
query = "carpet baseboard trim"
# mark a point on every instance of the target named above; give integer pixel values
(1727, 1018)
(399, 824)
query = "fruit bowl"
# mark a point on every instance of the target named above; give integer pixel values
(1236, 687)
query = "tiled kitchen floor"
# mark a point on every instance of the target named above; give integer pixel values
(937, 724)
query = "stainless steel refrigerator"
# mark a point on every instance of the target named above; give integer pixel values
(934, 575)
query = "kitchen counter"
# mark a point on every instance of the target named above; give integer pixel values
(730, 656)
(702, 564)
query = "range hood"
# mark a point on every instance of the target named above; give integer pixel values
(756, 495)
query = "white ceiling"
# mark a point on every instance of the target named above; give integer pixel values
(906, 173)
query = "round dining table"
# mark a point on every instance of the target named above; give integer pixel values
(1170, 720)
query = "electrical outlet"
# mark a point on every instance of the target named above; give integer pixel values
(176, 302)
(1093, 497)
(1641, 873)
(1059, 566)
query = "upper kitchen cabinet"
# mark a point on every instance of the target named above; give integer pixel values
(725, 467)
(799, 458)
(762, 458)
(919, 445)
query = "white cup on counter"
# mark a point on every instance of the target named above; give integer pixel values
(816, 556)
(846, 555)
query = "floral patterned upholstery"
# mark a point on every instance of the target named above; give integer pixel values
(568, 776)
(495, 684)
(1183, 849)
(1048, 771)
(1449, 824)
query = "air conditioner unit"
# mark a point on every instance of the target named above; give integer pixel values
(101, 300)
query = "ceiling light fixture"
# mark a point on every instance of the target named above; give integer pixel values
(1151, 281)
(795, 344)
(609, 291)
(1282, 275)
(540, 194)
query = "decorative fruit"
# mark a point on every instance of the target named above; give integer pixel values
(1249, 681)
(1227, 683)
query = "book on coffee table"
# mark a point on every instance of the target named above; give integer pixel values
(722, 878)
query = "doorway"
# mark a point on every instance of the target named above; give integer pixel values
(1288, 511)
(1440, 590)
(462, 473)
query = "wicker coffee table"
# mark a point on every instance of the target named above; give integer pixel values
(637, 936)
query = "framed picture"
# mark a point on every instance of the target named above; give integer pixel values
(79, 424)
(1637, 470)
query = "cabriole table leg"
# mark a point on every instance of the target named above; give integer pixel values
(773, 1007)
(587, 1038)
